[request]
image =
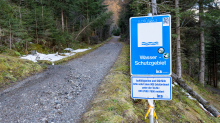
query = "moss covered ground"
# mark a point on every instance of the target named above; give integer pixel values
(13, 69)
(113, 102)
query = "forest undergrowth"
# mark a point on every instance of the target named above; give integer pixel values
(113, 102)
(14, 69)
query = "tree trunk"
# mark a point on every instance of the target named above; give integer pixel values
(26, 46)
(66, 25)
(154, 7)
(42, 9)
(212, 74)
(20, 13)
(87, 11)
(88, 40)
(10, 35)
(73, 30)
(216, 84)
(178, 47)
(210, 83)
(214, 64)
(62, 18)
(0, 35)
(190, 67)
(101, 33)
(36, 25)
(42, 14)
(209, 75)
(216, 69)
(202, 45)
(87, 16)
(84, 28)
(205, 103)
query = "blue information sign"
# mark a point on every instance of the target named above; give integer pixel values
(150, 45)
(157, 88)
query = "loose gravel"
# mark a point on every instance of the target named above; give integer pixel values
(62, 93)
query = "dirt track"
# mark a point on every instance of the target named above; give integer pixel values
(60, 94)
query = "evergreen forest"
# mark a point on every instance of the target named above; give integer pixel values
(51, 25)
(70, 61)
(195, 35)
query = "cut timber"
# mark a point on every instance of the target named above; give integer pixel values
(205, 103)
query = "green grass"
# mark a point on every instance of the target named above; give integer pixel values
(113, 103)
(212, 98)
(39, 48)
(93, 47)
(13, 69)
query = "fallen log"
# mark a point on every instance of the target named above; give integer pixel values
(205, 103)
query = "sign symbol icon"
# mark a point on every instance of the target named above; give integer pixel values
(166, 21)
(166, 55)
(161, 50)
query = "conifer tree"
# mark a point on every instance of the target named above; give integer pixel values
(48, 22)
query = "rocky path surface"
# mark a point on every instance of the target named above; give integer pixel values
(62, 93)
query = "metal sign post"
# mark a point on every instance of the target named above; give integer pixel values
(151, 117)
(151, 59)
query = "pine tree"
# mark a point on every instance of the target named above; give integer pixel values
(212, 44)
(48, 22)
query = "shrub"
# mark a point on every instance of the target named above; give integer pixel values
(116, 32)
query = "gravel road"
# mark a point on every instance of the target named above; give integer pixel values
(62, 93)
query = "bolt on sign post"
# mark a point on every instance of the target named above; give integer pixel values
(151, 59)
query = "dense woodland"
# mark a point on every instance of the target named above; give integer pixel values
(56, 24)
(195, 34)
(52, 24)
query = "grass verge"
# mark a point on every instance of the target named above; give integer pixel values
(183, 109)
(74, 56)
(113, 103)
(13, 69)
(210, 96)
(81, 53)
